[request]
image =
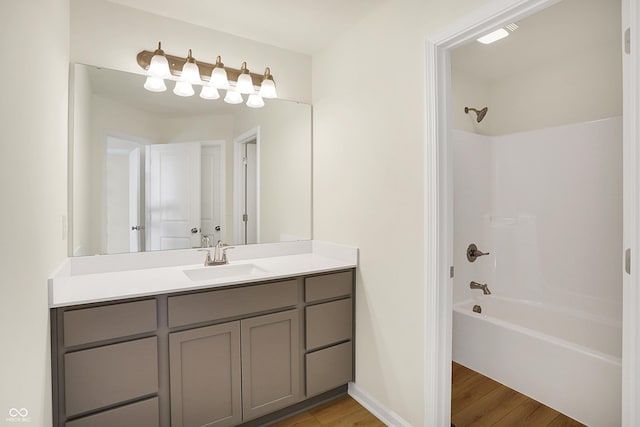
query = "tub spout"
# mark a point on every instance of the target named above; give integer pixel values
(484, 287)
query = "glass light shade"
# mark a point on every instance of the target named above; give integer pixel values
(209, 92)
(155, 84)
(255, 101)
(219, 78)
(233, 97)
(183, 89)
(244, 84)
(159, 67)
(190, 73)
(268, 89)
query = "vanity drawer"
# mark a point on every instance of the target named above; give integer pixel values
(225, 303)
(329, 323)
(329, 368)
(110, 321)
(139, 414)
(333, 285)
(110, 374)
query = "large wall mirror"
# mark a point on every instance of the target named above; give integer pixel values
(155, 171)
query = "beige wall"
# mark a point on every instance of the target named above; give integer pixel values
(94, 42)
(577, 87)
(368, 186)
(33, 165)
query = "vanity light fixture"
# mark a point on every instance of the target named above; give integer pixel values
(244, 84)
(233, 97)
(158, 71)
(218, 77)
(255, 101)
(268, 87)
(209, 92)
(187, 72)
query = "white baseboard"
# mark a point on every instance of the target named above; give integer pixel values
(384, 414)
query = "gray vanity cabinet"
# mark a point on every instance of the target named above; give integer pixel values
(204, 366)
(270, 363)
(236, 355)
(328, 332)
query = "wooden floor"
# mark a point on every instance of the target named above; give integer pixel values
(341, 412)
(479, 401)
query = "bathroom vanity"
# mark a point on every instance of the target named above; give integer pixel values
(237, 345)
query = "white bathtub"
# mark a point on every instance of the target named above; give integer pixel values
(569, 361)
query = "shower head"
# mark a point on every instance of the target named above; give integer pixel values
(479, 113)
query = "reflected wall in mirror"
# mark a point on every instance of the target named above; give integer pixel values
(153, 171)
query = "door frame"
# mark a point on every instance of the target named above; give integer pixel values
(221, 144)
(238, 141)
(438, 203)
(140, 143)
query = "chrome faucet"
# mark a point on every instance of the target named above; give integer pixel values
(484, 287)
(219, 254)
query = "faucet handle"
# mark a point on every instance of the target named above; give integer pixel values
(473, 252)
(207, 260)
(224, 252)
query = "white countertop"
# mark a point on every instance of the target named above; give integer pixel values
(83, 280)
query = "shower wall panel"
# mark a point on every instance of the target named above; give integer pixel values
(547, 204)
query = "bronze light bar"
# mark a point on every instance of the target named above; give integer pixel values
(176, 63)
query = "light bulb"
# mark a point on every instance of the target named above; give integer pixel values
(244, 83)
(219, 75)
(190, 71)
(155, 84)
(268, 86)
(159, 66)
(183, 89)
(209, 92)
(232, 97)
(268, 89)
(255, 101)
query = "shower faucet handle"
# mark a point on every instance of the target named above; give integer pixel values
(473, 252)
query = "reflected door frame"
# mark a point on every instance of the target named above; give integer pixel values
(217, 186)
(122, 144)
(239, 144)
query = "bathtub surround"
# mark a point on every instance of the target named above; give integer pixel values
(540, 201)
(543, 202)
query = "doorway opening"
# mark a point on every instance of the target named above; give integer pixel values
(246, 194)
(124, 195)
(439, 205)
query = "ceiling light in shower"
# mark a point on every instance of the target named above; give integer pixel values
(494, 36)
(498, 34)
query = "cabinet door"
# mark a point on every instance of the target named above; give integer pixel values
(205, 376)
(270, 363)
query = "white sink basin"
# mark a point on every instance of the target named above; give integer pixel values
(222, 271)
